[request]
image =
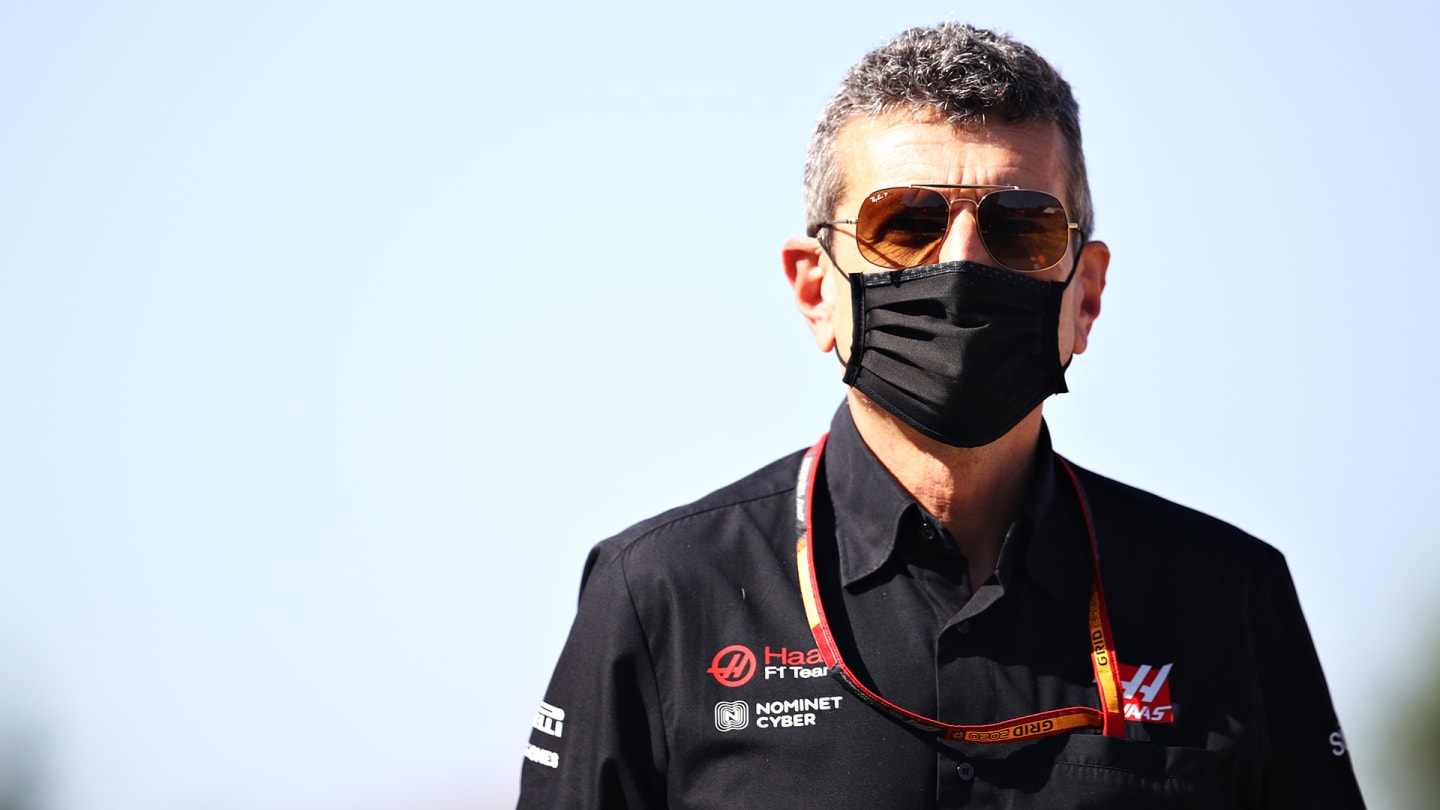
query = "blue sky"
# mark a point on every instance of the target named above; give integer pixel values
(333, 334)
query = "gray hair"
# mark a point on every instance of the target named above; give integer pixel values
(960, 73)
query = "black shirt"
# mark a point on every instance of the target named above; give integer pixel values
(691, 679)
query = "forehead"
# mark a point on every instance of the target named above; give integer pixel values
(876, 152)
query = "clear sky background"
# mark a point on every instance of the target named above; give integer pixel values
(332, 335)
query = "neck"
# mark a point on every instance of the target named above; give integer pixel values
(975, 491)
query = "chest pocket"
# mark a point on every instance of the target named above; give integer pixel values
(1095, 771)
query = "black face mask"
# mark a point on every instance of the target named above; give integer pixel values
(959, 351)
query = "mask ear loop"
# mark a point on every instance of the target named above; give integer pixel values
(1080, 248)
(857, 315)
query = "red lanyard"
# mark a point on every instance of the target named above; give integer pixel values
(1110, 718)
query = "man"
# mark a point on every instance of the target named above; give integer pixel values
(930, 608)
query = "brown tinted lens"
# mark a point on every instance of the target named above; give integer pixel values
(1024, 230)
(899, 227)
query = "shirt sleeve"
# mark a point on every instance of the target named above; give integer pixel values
(1307, 759)
(599, 739)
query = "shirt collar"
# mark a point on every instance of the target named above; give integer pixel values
(1058, 557)
(869, 504)
(871, 509)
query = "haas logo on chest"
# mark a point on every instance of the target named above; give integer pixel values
(733, 666)
(1147, 693)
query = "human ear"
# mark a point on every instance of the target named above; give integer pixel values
(1094, 261)
(801, 257)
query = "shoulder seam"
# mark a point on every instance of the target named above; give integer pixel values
(629, 543)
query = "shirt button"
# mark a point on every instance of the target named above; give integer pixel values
(927, 532)
(965, 771)
(963, 627)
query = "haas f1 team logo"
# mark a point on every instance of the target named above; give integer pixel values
(733, 666)
(1147, 693)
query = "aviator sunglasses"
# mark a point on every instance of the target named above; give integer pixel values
(899, 227)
